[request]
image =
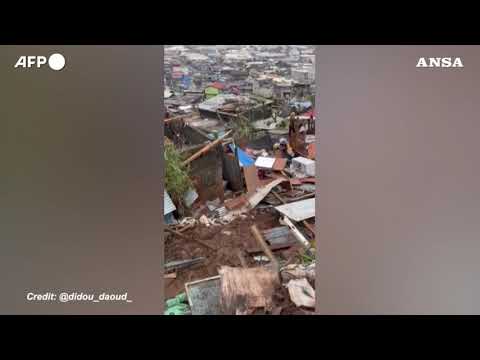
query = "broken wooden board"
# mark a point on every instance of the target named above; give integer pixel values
(295, 181)
(298, 210)
(245, 289)
(236, 203)
(279, 164)
(251, 178)
(263, 244)
(258, 196)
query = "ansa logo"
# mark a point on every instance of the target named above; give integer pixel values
(439, 62)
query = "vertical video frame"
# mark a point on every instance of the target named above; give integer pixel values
(239, 201)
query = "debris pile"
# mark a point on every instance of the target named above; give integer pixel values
(239, 206)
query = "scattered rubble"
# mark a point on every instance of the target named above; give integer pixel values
(301, 293)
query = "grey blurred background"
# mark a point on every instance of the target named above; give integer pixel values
(398, 201)
(81, 178)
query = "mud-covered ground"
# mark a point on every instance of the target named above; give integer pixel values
(227, 240)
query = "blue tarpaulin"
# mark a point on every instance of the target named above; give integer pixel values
(243, 158)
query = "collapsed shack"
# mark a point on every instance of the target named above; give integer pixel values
(227, 107)
(246, 243)
(206, 170)
(215, 241)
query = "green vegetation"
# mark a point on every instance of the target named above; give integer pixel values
(177, 180)
(243, 129)
(305, 259)
(282, 124)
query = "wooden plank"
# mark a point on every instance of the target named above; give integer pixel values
(279, 198)
(251, 179)
(263, 244)
(255, 199)
(236, 203)
(303, 197)
(243, 290)
(206, 148)
(279, 164)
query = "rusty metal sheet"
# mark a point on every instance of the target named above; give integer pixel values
(279, 164)
(236, 203)
(204, 296)
(251, 178)
(308, 180)
(311, 151)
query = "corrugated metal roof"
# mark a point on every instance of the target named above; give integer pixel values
(299, 210)
(168, 205)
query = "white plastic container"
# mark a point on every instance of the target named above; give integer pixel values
(303, 165)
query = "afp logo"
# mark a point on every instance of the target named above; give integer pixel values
(444, 62)
(55, 62)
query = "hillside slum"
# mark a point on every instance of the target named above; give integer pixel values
(239, 204)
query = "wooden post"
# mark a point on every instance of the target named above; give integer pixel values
(261, 241)
(206, 148)
(279, 198)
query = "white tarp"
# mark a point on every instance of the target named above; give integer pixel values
(264, 162)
